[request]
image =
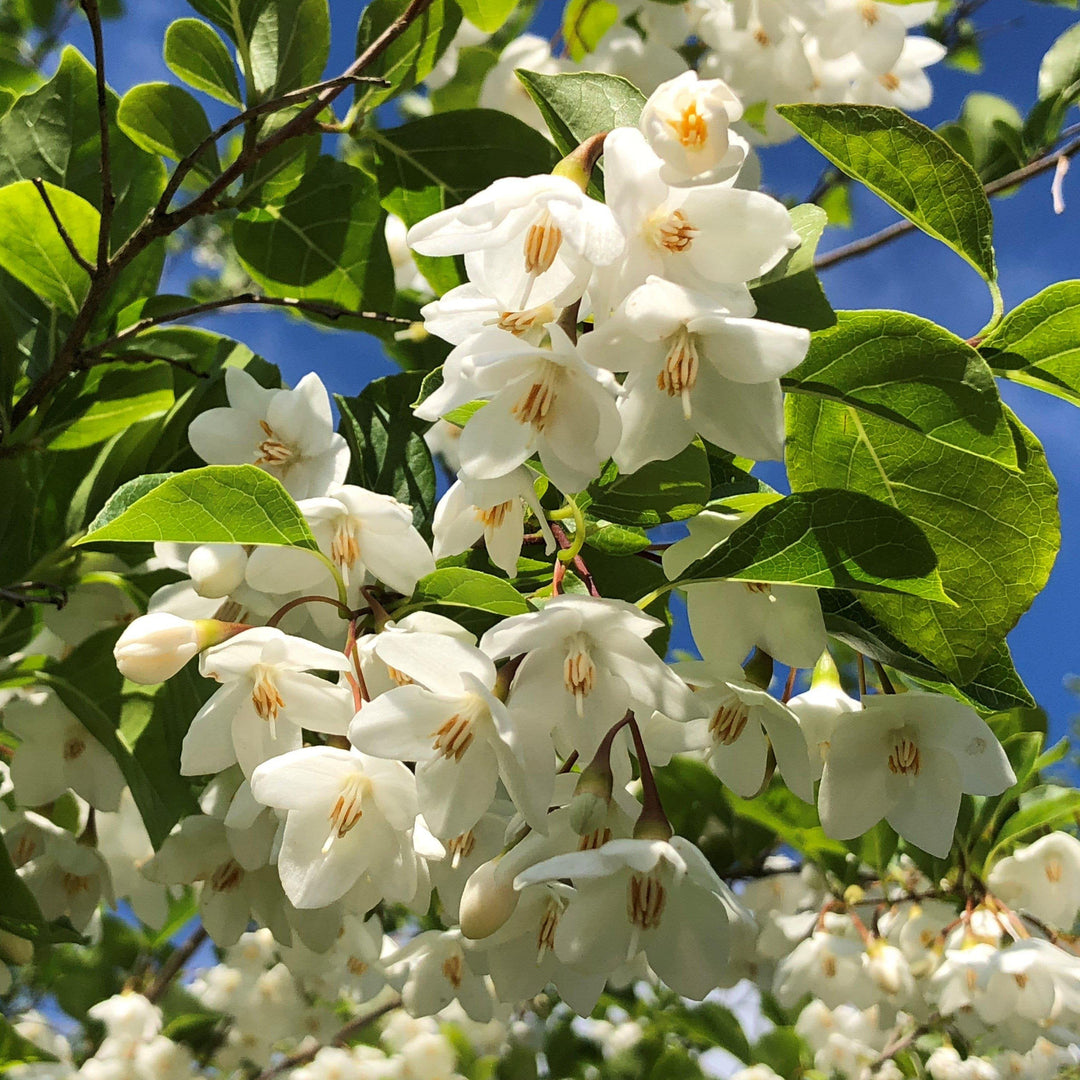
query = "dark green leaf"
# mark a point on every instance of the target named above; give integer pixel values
(909, 166)
(166, 119)
(195, 53)
(290, 44)
(1044, 807)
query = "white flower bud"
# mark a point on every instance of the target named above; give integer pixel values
(155, 647)
(486, 902)
(217, 569)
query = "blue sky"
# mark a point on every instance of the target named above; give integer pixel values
(1034, 247)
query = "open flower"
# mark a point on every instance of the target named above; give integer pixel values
(267, 696)
(288, 433)
(908, 758)
(698, 364)
(432, 970)
(1042, 878)
(874, 32)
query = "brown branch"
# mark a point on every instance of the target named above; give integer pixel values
(173, 966)
(900, 228)
(64, 234)
(302, 1057)
(87, 361)
(578, 562)
(108, 196)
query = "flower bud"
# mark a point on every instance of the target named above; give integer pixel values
(592, 794)
(217, 569)
(155, 647)
(15, 949)
(486, 902)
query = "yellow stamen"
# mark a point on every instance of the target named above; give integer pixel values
(690, 128)
(679, 374)
(272, 451)
(645, 900)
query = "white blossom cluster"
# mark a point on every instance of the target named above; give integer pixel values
(768, 51)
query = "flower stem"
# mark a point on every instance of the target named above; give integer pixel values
(343, 608)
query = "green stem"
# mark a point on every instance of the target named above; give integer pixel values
(339, 581)
(567, 555)
(998, 312)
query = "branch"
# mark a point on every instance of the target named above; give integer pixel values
(87, 361)
(316, 307)
(302, 1057)
(34, 592)
(108, 197)
(1013, 179)
(172, 967)
(64, 234)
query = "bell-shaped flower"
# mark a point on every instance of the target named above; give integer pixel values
(467, 851)
(491, 510)
(1042, 878)
(126, 847)
(907, 758)
(686, 123)
(698, 364)
(432, 970)
(743, 724)
(345, 814)
(1033, 979)
(728, 618)
(960, 980)
(503, 90)
(361, 532)
(586, 662)
(156, 646)
(268, 695)
(289, 433)
(699, 237)
(905, 85)
(873, 31)
(527, 240)
(643, 60)
(56, 752)
(546, 401)
(654, 896)
(818, 709)
(828, 965)
(465, 739)
(466, 314)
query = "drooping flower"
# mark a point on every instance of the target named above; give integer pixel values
(818, 709)
(1042, 878)
(432, 970)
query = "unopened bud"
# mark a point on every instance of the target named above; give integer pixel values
(652, 825)
(825, 672)
(15, 949)
(217, 569)
(155, 647)
(486, 901)
(592, 796)
(579, 163)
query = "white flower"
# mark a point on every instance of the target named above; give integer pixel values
(57, 752)
(407, 276)
(346, 815)
(698, 237)
(526, 240)
(907, 758)
(656, 896)
(543, 401)
(1033, 979)
(123, 841)
(361, 532)
(128, 1016)
(155, 647)
(645, 61)
(873, 31)
(215, 569)
(463, 737)
(1042, 878)
(728, 618)
(818, 709)
(503, 90)
(433, 970)
(698, 364)
(828, 966)
(467, 316)
(492, 510)
(267, 697)
(905, 86)
(586, 662)
(686, 123)
(743, 723)
(289, 433)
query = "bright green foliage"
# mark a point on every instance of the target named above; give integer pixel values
(475, 599)
(585, 22)
(487, 15)
(1059, 72)
(913, 169)
(16, 1050)
(290, 44)
(993, 129)
(660, 491)
(828, 539)
(166, 119)
(1038, 343)
(219, 504)
(32, 249)
(196, 54)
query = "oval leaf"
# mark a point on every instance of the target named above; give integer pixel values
(167, 120)
(195, 53)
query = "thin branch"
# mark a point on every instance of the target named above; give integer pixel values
(302, 1057)
(316, 307)
(900, 228)
(108, 196)
(64, 234)
(87, 361)
(34, 592)
(577, 562)
(173, 966)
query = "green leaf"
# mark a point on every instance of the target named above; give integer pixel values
(791, 293)
(1059, 72)
(324, 241)
(1043, 807)
(781, 1049)
(31, 248)
(789, 819)
(411, 57)
(166, 119)
(487, 15)
(995, 530)
(909, 166)
(584, 23)
(290, 45)
(707, 1025)
(826, 538)
(17, 1050)
(235, 17)
(1038, 343)
(386, 443)
(617, 539)
(463, 90)
(661, 491)
(580, 104)
(987, 121)
(218, 504)
(910, 372)
(19, 910)
(195, 53)
(471, 597)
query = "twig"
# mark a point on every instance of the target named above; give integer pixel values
(173, 966)
(900, 228)
(302, 1057)
(108, 196)
(34, 592)
(316, 307)
(64, 234)
(87, 361)
(900, 1044)
(579, 563)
